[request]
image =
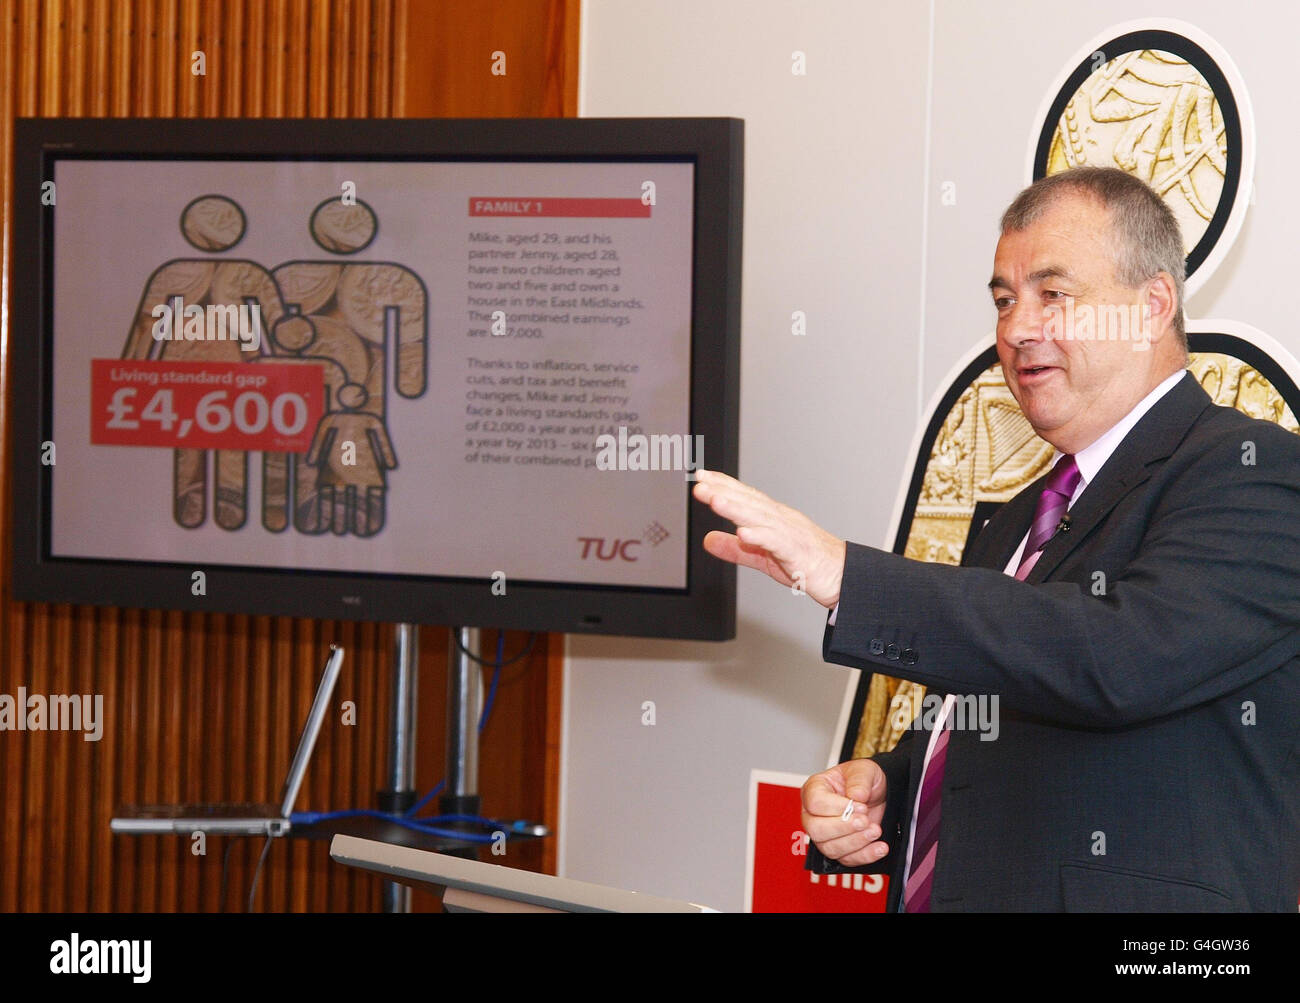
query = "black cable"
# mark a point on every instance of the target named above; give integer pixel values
(532, 640)
(225, 870)
(252, 892)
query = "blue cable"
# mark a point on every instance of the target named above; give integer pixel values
(414, 810)
(419, 825)
(496, 678)
(482, 720)
(409, 819)
(312, 817)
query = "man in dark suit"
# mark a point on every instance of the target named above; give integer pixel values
(1119, 655)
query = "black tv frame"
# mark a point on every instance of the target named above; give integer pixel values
(704, 610)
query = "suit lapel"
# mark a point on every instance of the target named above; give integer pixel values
(996, 543)
(1152, 439)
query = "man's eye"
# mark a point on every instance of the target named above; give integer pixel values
(1052, 294)
(1002, 302)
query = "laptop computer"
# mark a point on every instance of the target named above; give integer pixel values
(473, 886)
(240, 819)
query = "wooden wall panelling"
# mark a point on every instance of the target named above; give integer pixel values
(208, 706)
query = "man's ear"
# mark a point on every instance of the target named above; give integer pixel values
(1160, 306)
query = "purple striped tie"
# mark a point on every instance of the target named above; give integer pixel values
(925, 846)
(1052, 504)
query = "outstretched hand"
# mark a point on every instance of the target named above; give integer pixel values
(775, 539)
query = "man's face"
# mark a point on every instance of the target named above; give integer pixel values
(1072, 388)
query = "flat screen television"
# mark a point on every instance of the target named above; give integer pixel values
(430, 371)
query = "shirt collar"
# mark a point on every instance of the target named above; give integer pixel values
(1092, 458)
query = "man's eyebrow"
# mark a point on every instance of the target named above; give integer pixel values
(1050, 272)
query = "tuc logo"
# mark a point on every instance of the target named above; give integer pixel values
(654, 534)
(619, 549)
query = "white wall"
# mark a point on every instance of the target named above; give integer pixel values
(995, 62)
(835, 211)
(833, 191)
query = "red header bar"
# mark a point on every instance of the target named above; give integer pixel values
(521, 206)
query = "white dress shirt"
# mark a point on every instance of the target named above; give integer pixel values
(1089, 460)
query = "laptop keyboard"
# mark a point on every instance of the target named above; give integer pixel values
(214, 810)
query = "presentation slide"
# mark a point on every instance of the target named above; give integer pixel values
(451, 368)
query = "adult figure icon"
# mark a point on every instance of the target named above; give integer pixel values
(212, 224)
(371, 318)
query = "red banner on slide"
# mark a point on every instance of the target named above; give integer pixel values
(258, 406)
(780, 883)
(533, 207)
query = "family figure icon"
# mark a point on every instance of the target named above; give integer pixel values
(364, 325)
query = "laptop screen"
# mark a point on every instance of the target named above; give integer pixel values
(320, 705)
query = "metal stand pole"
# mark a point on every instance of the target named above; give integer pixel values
(400, 796)
(464, 705)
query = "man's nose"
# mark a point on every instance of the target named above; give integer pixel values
(1024, 326)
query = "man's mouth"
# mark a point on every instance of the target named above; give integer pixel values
(1032, 373)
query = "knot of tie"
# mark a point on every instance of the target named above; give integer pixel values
(1064, 477)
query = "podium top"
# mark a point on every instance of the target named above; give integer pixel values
(495, 880)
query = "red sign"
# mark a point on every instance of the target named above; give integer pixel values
(257, 406)
(518, 205)
(780, 883)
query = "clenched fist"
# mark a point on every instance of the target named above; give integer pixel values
(857, 841)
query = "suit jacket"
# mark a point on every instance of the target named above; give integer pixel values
(1147, 674)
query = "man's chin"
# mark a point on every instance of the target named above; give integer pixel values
(1041, 419)
(1040, 408)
